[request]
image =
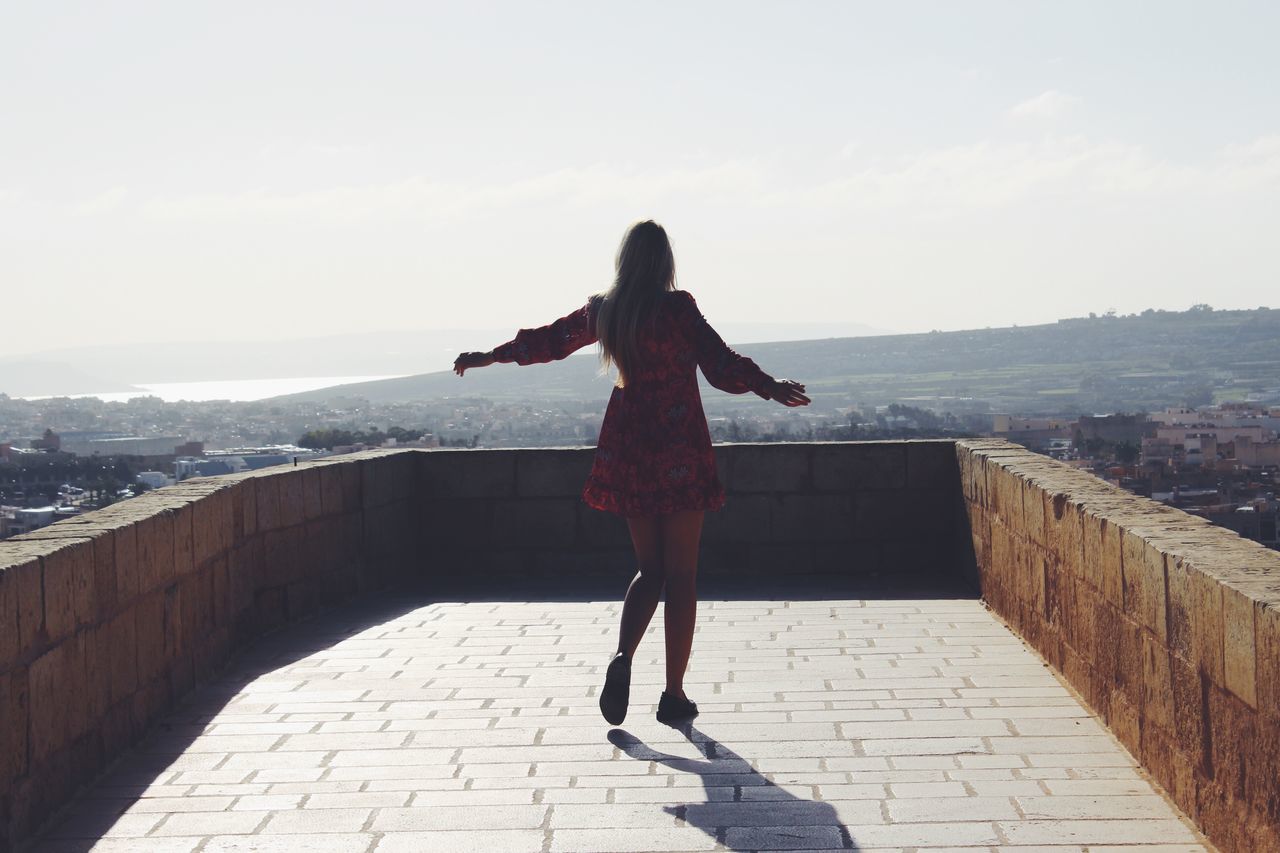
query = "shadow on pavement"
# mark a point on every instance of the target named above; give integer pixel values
(761, 815)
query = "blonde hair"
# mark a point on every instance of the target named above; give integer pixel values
(646, 269)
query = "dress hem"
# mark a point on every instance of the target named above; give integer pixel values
(607, 501)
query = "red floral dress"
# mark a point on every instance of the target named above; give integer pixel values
(654, 453)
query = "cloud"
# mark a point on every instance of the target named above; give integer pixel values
(423, 198)
(1046, 106)
(107, 201)
(930, 184)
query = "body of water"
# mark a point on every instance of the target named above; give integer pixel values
(238, 390)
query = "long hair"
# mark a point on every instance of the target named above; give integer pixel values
(646, 269)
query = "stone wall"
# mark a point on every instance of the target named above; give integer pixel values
(1167, 625)
(875, 508)
(106, 620)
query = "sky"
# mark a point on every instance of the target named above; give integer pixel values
(248, 170)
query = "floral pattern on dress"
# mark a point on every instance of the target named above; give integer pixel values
(654, 454)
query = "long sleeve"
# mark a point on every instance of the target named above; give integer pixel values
(725, 369)
(552, 342)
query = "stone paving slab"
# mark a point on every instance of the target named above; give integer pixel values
(843, 724)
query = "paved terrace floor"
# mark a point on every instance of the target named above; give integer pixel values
(881, 724)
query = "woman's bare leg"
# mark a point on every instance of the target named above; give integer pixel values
(680, 534)
(646, 586)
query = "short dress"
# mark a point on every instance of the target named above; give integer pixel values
(654, 453)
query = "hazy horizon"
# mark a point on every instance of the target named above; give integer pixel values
(239, 172)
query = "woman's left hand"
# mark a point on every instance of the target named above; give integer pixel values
(472, 359)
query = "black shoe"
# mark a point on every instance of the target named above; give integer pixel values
(616, 693)
(673, 709)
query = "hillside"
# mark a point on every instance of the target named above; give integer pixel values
(1080, 365)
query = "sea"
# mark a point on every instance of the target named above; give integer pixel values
(236, 390)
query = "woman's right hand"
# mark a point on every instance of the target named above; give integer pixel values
(789, 393)
(467, 360)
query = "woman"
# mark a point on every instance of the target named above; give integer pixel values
(653, 464)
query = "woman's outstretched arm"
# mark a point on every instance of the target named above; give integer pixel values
(735, 373)
(551, 342)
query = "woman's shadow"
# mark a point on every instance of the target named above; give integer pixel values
(742, 809)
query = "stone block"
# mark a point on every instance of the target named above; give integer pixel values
(220, 592)
(1092, 540)
(535, 523)
(905, 514)
(184, 555)
(1157, 683)
(852, 558)
(244, 568)
(1267, 660)
(1232, 740)
(468, 473)
(53, 693)
(552, 473)
(281, 559)
(812, 518)
(1033, 514)
(155, 550)
(766, 468)
(1143, 582)
(1106, 632)
(604, 529)
(213, 526)
(1157, 753)
(1004, 556)
(97, 670)
(269, 608)
(389, 478)
(126, 565)
(1007, 498)
(149, 622)
(15, 697)
(1129, 662)
(771, 560)
(352, 486)
(1125, 722)
(1206, 625)
(122, 661)
(1064, 531)
(268, 500)
(68, 588)
(1239, 651)
(293, 507)
(105, 588)
(455, 522)
(301, 599)
(331, 488)
(1190, 711)
(266, 489)
(932, 465)
(905, 557)
(244, 503)
(1112, 566)
(1035, 563)
(312, 492)
(860, 466)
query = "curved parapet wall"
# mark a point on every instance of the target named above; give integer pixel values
(886, 509)
(1167, 625)
(109, 618)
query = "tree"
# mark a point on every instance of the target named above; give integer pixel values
(1127, 452)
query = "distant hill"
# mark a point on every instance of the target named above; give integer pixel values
(1094, 364)
(357, 354)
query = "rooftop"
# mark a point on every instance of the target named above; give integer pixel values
(852, 724)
